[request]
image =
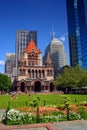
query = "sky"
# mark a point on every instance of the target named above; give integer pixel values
(43, 16)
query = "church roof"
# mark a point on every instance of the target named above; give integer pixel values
(48, 59)
(32, 47)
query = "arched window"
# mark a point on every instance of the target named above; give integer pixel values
(32, 73)
(48, 72)
(36, 73)
(29, 71)
(51, 73)
(20, 71)
(39, 73)
(43, 73)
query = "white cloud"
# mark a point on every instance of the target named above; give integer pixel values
(2, 62)
(63, 37)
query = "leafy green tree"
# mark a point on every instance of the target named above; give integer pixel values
(5, 82)
(66, 104)
(35, 104)
(72, 77)
(83, 80)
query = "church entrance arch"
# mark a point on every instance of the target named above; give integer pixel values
(51, 87)
(22, 87)
(37, 86)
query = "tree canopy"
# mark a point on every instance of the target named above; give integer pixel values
(72, 77)
(5, 82)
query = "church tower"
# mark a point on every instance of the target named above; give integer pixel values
(48, 61)
(32, 75)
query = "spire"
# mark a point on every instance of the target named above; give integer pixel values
(48, 61)
(53, 34)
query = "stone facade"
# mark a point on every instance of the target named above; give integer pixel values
(32, 75)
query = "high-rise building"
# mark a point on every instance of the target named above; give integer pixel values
(22, 39)
(10, 64)
(77, 31)
(57, 53)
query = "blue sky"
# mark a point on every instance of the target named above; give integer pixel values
(43, 16)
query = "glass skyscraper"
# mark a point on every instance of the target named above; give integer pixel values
(77, 31)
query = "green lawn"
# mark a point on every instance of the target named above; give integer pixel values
(47, 99)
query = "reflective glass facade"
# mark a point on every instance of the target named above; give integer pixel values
(77, 31)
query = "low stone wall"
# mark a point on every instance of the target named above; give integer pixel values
(47, 126)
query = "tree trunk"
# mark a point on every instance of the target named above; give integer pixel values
(38, 116)
(67, 112)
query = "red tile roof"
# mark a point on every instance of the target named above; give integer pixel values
(32, 46)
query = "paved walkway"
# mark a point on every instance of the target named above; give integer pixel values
(72, 125)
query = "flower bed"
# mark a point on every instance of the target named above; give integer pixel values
(15, 117)
(84, 103)
(42, 110)
(46, 114)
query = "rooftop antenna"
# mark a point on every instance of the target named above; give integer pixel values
(53, 33)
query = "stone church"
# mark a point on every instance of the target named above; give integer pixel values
(32, 75)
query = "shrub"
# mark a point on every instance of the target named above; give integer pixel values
(15, 117)
(55, 113)
(82, 113)
(46, 119)
(74, 116)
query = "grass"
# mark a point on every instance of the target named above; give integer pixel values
(45, 99)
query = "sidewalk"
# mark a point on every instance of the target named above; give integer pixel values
(72, 125)
(68, 125)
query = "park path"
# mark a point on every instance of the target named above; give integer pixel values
(1, 113)
(72, 125)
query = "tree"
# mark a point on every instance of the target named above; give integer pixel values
(35, 103)
(83, 80)
(5, 82)
(66, 104)
(72, 77)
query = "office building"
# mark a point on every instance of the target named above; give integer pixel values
(22, 39)
(10, 63)
(57, 53)
(77, 31)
